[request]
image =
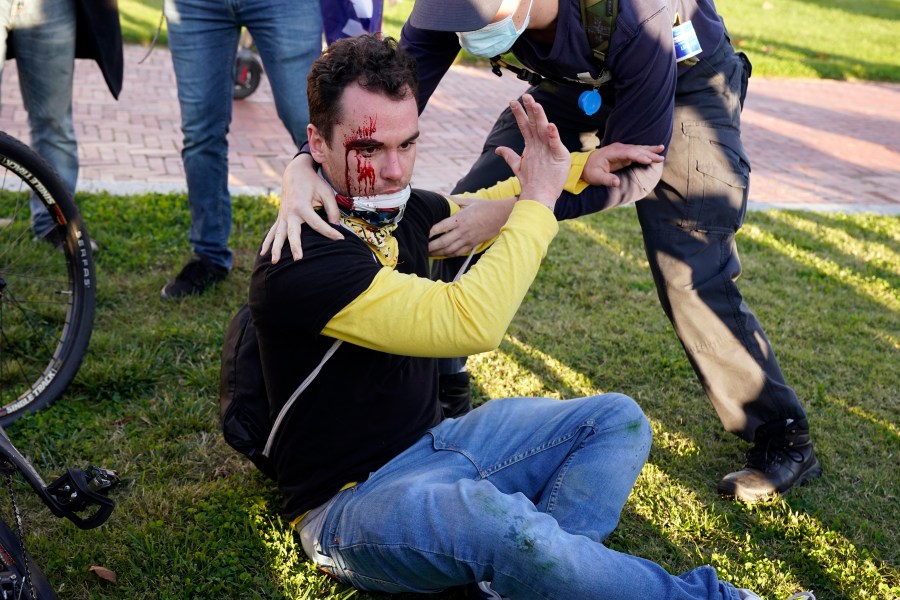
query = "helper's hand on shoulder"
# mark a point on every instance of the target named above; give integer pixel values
(544, 165)
(302, 192)
(604, 161)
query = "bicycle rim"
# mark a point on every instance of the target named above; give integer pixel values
(47, 289)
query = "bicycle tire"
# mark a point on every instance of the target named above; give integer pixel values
(13, 583)
(47, 289)
(247, 74)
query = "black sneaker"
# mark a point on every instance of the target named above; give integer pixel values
(195, 278)
(778, 461)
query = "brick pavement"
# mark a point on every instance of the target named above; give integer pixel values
(826, 145)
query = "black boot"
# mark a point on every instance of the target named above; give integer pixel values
(453, 393)
(781, 457)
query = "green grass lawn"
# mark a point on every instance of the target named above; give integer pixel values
(831, 39)
(194, 520)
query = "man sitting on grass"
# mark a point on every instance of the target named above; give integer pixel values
(386, 495)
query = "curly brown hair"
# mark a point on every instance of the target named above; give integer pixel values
(377, 64)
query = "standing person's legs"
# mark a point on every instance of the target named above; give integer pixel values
(689, 224)
(203, 37)
(6, 19)
(520, 492)
(44, 37)
(288, 35)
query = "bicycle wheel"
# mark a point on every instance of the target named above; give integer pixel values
(47, 285)
(13, 582)
(247, 74)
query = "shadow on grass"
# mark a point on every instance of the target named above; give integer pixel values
(823, 300)
(185, 525)
(824, 64)
(877, 9)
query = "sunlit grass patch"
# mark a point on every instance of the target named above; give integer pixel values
(195, 520)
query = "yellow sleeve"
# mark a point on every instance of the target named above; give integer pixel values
(511, 187)
(575, 184)
(413, 316)
(502, 189)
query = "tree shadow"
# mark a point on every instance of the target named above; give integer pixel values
(852, 124)
(825, 65)
(865, 8)
(852, 403)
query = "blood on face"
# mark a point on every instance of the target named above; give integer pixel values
(360, 140)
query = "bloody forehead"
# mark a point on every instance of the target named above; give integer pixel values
(363, 134)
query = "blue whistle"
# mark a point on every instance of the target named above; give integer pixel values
(590, 102)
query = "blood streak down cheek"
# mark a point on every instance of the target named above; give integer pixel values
(365, 176)
(365, 171)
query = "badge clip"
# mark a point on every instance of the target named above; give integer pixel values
(589, 102)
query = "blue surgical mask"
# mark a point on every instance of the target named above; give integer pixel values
(493, 38)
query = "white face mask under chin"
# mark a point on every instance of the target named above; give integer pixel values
(493, 38)
(383, 201)
(378, 210)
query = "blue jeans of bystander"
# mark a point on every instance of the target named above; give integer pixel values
(44, 34)
(203, 37)
(520, 492)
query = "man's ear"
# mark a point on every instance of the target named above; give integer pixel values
(318, 146)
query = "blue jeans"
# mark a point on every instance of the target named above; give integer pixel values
(203, 37)
(44, 34)
(520, 492)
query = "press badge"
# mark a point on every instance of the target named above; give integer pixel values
(686, 43)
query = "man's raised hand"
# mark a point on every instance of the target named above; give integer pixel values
(543, 167)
